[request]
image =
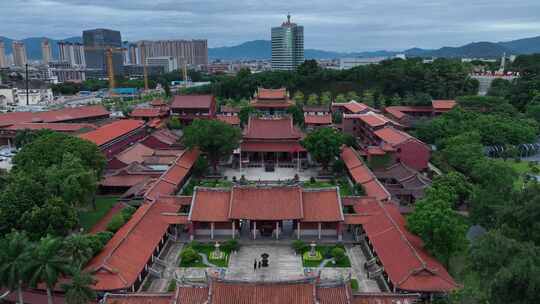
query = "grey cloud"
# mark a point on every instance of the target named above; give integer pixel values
(332, 25)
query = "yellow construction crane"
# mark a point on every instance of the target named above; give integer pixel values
(145, 68)
(109, 51)
(184, 71)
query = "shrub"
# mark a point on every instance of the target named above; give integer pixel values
(104, 236)
(127, 212)
(231, 245)
(326, 252)
(195, 245)
(116, 223)
(299, 246)
(200, 167)
(312, 180)
(189, 256)
(338, 254)
(172, 286)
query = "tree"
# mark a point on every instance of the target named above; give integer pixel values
(298, 98)
(313, 99)
(463, 151)
(215, 138)
(297, 114)
(167, 89)
(245, 113)
(326, 98)
(340, 98)
(47, 265)
(78, 249)
(79, 290)
(352, 96)
(454, 182)
(14, 255)
(324, 145)
(54, 217)
(438, 226)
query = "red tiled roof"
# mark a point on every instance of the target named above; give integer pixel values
(169, 182)
(371, 119)
(280, 128)
(272, 93)
(362, 175)
(210, 205)
(325, 119)
(191, 295)
(123, 258)
(443, 105)
(385, 298)
(413, 269)
(272, 203)
(334, 295)
(165, 136)
(392, 136)
(321, 205)
(230, 119)
(59, 127)
(66, 114)
(146, 112)
(138, 298)
(262, 146)
(352, 106)
(124, 180)
(158, 103)
(268, 293)
(112, 131)
(32, 296)
(134, 153)
(400, 111)
(271, 104)
(375, 150)
(192, 102)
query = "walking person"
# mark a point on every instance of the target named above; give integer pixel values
(255, 265)
(259, 264)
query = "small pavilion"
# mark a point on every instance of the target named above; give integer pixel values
(271, 101)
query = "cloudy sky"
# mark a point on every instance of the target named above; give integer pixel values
(341, 25)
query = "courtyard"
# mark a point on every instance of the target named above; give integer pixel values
(283, 264)
(260, 174)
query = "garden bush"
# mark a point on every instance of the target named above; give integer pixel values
(299, 246)
(189, 255)
(230, 245)
(338, 254)
(127, 212)
(115, 223)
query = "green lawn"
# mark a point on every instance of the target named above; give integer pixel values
(521, 168)
(324, 250)
(344, 187)
(207, 249)
(88, 218)
(354, 285)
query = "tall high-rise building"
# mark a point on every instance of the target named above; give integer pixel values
(19, 54)
(3, 59)
(96, 43)
(287, 46)
(190, 52)
(46, 52)
(72, 53)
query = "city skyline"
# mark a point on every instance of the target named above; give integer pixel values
(371, 25)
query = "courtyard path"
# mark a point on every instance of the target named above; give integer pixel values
(283, 264)
(357, 258)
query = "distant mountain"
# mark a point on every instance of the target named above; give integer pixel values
(33, 46)
(262, 49)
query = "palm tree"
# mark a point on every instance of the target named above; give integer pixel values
(77, 248)
(79, 290)
(14, 256)
(47, 265)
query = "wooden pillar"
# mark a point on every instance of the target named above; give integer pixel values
(233, 230)
(320, 230)
(254, 230)
(191, 231)
(277, 230)
(212, 230)
(338, 231)
(298, 234)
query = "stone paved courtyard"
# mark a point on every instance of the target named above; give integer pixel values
(255, 174)
(284, 264)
